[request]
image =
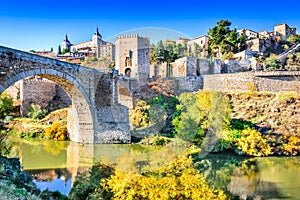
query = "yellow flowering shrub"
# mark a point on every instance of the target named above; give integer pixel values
(292, 147)
(57, 131)
(252, 143)
(179, 180)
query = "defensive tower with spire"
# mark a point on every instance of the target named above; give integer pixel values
(66, 44)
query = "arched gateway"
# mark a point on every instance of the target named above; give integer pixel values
(95, 116)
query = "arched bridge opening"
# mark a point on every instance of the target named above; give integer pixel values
(80, 119)
(95, 116)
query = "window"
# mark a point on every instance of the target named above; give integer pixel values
(127, 72)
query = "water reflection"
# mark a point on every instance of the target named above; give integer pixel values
(56, 164)
(253, 178)
(52, 179)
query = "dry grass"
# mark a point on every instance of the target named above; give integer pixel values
(279, 111)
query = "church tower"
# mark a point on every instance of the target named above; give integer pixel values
(66, 44)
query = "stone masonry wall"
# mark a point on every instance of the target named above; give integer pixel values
(41, 92)
(282, 81)
(38, 92)
(186, 84)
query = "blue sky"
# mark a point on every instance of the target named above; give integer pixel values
(41, 25)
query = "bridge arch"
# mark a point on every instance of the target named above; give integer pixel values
(96, 116)
(125, 96)
(80, 131)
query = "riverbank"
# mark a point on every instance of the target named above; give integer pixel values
(248, 123)
(52, 126)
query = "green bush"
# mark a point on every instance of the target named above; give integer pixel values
(35, 112)
(240, 124)
(5, 145)
(201, 114)
(228, 140)
(155, 140)
(6, 104)
(272, 63)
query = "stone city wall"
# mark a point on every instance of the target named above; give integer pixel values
(277, 81)
(186, 84)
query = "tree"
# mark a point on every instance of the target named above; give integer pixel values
(293, 39)
(272, 63)
(203, 114)
(59, 50)
(64, 51)
(160, 53)
(242, 45)
(231, 42)
(180, 50)
(32, 51)
(36, 112)
(217, 36)
(6, 104)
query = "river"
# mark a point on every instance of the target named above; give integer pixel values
(54, 165)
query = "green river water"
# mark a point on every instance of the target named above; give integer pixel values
(54, 165)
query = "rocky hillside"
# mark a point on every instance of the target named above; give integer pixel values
(280, 112)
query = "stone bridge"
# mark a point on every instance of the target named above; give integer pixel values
(97, 114)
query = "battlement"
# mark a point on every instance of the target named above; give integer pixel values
(132, 36)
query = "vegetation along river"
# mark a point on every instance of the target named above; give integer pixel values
(54, 165)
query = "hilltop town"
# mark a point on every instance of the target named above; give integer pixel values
(213, 61)
(234, 51)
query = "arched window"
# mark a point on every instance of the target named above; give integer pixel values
(127, 72)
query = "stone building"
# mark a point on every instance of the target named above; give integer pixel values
(265, 34)
(182, 41)
(191, 66)
(133, 57)
(201, 42)
(186, 67)
(249, 33)
(49, 54)
(284, 31)
(92, 48)
(269, 42)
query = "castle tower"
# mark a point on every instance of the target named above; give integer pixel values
(97, 41)
(133, 57)
(66, 44)
(97, 37)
